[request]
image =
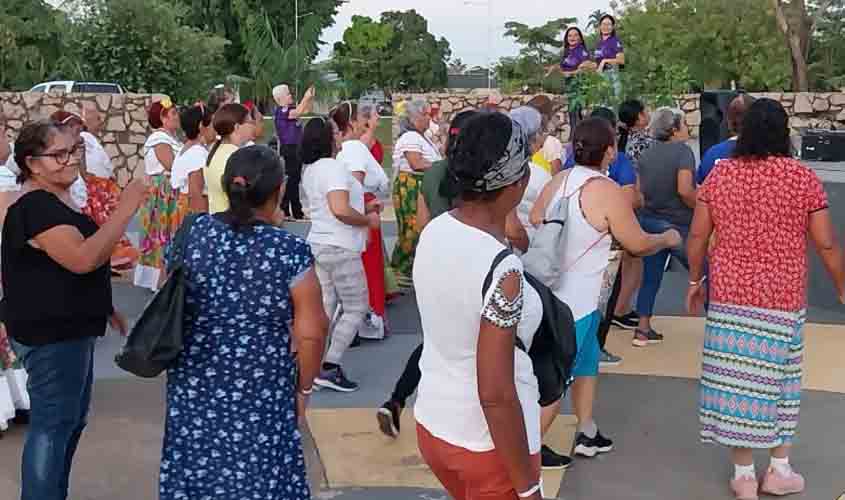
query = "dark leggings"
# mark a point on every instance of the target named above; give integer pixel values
(291, 204)
(607, 319)
(410, 378)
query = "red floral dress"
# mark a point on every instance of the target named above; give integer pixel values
(760, 211)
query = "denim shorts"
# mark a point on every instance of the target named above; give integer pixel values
(587, 359)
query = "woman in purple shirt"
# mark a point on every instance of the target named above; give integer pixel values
(609, 53)
(575, 59)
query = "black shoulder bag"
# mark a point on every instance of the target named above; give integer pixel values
(554, 348)
(156, 340)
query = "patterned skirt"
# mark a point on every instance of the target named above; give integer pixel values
(405, 193)
(751, 376)
(158, 217)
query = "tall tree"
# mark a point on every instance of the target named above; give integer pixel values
(457, 66)
(395, 53)
(231, 20)
(595, 20)
(360, 58)
(31, 36)
(146, 46)
(797, 20)
(718, 41)
(539, 47)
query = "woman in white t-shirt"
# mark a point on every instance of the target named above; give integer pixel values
(158, 213)
(413, 154)
(187, 175)
(362, 164)
(477, 407)
(532, 124)
(338, 235)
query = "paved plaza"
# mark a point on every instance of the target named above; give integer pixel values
(648, 405)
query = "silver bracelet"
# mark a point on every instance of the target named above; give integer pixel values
(307, 392)
(529, 493)
(699, 282)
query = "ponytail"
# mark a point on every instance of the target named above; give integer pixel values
(623, 137)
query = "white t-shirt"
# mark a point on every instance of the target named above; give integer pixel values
(318, 180)
(357, 158)
(451, 263)
(151, 164)
(97, 161)
(539, 179)
(413, 142)
(78, 190)
(188, 161)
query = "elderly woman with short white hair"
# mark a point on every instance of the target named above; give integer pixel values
(413, 154)
(667, 182)
(289, 133)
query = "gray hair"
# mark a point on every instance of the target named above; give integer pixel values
(665, 122)
(366, 111)
(530, 120)
(413, 110)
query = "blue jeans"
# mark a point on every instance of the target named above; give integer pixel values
(654, 265)
(60, 377)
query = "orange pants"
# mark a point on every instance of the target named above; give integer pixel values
(468, 475)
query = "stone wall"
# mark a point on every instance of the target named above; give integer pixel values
(125, 127)
(806, 110)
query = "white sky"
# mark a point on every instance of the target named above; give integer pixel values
(465, 26)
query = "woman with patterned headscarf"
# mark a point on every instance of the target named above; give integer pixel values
(477, 409)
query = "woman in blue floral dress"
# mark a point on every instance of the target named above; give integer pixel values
(235, 395)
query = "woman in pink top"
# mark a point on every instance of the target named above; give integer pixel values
(760, 207)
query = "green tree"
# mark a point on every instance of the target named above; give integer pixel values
(718, 41)
(360, 59)
(395, 53)
(595, 20)
(539, 47)
(30, 42)
(145, 46)
(230, 19)
(797, 20)
(827, 53)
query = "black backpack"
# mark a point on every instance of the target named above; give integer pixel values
(554, 348)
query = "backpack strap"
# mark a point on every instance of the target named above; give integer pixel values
(488, 280)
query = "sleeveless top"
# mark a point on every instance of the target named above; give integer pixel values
(586, 253)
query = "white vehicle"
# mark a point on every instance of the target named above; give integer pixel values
(79, 87)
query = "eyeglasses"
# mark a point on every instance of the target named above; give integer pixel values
(63, 157)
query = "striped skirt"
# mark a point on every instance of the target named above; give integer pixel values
(751, 376)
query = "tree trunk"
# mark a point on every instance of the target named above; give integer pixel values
(798, 43)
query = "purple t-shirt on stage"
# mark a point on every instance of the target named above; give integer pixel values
(288, 129)
(607, 49)
(576, 56)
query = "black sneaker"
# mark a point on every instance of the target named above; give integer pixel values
(629, 321)
(587, 447)
(388, 418)
(645, 339)
(552, 460)
(335, 380)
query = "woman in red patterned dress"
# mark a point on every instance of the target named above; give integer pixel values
(762, 205)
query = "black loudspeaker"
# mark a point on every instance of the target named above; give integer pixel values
(823, 145)
(714, 118)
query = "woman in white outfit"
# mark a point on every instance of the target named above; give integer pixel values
(338, 235)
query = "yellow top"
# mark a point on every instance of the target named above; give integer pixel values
(213, 173)
(541, 162)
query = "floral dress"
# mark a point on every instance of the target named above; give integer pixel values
(231, 428)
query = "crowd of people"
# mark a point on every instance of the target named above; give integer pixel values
(270, 315)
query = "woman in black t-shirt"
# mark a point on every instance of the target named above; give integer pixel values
(57, 286)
